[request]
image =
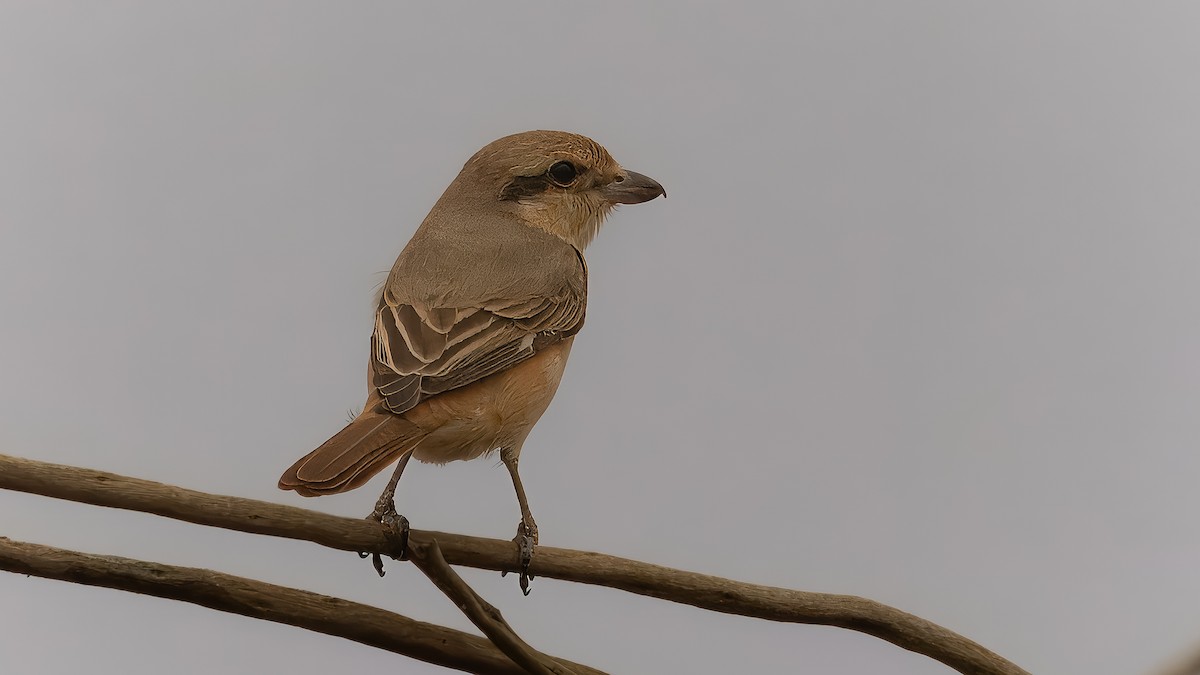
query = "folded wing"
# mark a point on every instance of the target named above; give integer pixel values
(420, 351)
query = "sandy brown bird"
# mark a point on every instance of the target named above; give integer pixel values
(476, 320)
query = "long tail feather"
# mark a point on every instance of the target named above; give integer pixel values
(354, 455)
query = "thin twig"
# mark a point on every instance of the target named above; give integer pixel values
(248, 597)
(431, 562)
(351, 534)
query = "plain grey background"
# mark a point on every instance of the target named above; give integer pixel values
(918, 320)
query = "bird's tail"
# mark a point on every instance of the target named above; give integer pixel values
(354, 455)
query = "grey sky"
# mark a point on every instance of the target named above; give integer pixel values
(918, 320)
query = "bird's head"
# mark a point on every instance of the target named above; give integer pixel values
(561, 182)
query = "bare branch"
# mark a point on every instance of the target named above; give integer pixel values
(429, 559)
(260, 600)
(352, 534)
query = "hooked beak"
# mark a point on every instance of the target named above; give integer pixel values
(631, 187)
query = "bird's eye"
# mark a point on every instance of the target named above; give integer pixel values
(562, 173)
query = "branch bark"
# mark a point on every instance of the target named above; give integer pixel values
(351, 534)
(248, 597)
(432, 563)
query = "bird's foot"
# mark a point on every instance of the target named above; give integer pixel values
(526, 541)
(395, 528)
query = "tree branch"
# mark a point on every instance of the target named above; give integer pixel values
(352, 534)
(260, 600)
(487, 618)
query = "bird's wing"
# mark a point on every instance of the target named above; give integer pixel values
(420, 349)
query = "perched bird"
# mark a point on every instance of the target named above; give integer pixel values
(476, 320)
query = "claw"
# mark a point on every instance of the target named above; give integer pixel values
(526, 549)
(395, 528)
(525, 544)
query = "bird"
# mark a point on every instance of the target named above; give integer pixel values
(474, 325)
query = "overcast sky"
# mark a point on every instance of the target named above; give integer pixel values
(918, 322)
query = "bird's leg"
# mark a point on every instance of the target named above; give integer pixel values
(527, 534)
(395, 526)
(386, 505)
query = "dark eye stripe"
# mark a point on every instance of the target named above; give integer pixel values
(524, 186)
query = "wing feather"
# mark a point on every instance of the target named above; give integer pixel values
(442, 323)
(421, 353)
(413, 361)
